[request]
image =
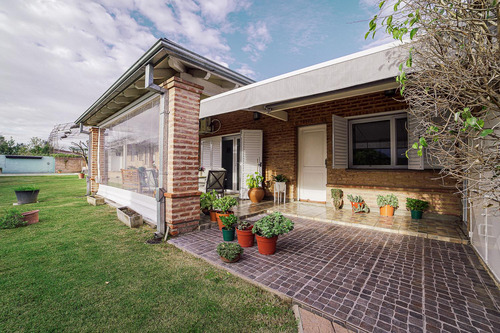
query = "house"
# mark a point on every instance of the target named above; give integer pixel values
(338, 124)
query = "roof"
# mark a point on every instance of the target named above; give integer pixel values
(359, 73)
(168, 59)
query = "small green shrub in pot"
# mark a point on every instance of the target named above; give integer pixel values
(362, 208)
(387, 200)
(11, 219)
(229, 251)
(280, 178)
(416, 207)
(27, 188)
(207, 200)
(243, 225)
(225, 204)
(337, 198)
(254, 181)
(229, 222)
(355, 198)
(271, 225)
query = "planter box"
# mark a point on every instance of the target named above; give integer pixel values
(31, 217)
(130, 217)
(27, 197)
(95, 200)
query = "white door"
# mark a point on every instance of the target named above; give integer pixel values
(251, 157)
(312, 163)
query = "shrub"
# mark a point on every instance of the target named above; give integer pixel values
(280, 178)
(229, 250)
(389, 199)
(255, 180)
(271, 225)
(363, 208)
(356, 198)
(416, 204)
(225, 204)
(12, 219)
(31, 188)
(207, 200)
(229, 221)
(243, 225)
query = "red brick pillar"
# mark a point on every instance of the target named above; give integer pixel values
(96, 156)
(182, 210)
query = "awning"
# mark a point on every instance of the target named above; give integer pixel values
(356, 74)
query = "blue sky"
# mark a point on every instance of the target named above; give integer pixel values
(59, 56)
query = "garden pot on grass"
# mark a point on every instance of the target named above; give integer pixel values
(81, 175)
(256, 194)
(228, 235)
(219, 220)
(387, 210)
(31, 217)
(95, 200)
(130, 217)
(266, 246)
(245, 237)
(416, 214)
(26, 197)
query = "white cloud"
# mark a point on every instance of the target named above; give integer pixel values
(247, 71)
(258, 37)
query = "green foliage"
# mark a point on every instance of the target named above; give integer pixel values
(271, 225)
(389, 199)
(255, 180)
(337, 197)
(12, 219)
(243, 225)
(225, 204)
(26, 188)
(36, 147)
(207, 200)
(363, 208)
(229, 250)
(356, 198)
(416, 204)
(229, 221)
(64, 155)
(280, 178)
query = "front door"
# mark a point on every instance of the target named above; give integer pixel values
(312, 163)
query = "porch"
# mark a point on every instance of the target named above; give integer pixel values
(364, 279)
(433, 226)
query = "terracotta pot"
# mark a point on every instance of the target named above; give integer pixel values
(245, 237)
(256, 194)
(219, 220)
(231, 261)
(387, 210)
(81, 175)
(265, 245)
(31, 217)
(355, 205)
(213, 216)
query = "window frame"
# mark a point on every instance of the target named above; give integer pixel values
(392, 123)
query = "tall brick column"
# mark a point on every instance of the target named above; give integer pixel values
(96, 156)
(182, 210)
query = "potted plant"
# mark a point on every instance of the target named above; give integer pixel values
(228, 223)
(255, 191)
(223, 206)
(280, 182)
(229, 252)
(244, 233)
(27, 194)
(31, 217)
(387, 204)
(12, 219)
(361, 208)
(355, 200)
(267, 230)
(337, 198)
(416, 207)
(95, 200)
(81, 175)
(129, 216)
(207, 204)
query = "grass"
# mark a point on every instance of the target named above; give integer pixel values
(80, 269)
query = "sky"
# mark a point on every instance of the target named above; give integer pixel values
(58, 57)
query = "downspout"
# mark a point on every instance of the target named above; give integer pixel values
(163, 160)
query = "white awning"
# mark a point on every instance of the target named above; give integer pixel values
(359, 73)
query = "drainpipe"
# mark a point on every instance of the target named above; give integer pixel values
(163, 160)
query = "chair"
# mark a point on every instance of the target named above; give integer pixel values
(131, 179)
(215, 181)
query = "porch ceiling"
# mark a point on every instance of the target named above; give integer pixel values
(168, 59)
(357, 74)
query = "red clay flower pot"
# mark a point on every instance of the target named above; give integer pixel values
(387, 210)
(213, 216)
(245, 237)
(355, 205)
(256, 194)
(219, 220)
(81, 175)
(231, 261)
(265, 245)
(31, 217)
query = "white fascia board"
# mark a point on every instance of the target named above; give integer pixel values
(363, 67)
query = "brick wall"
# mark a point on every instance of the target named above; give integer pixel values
(69, 164)
(281, 145)
(94, 147)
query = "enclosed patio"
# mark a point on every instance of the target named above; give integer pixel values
(366, 279)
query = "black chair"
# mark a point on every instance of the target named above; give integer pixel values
(215, 181)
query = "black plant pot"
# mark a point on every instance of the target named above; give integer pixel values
(26, 197)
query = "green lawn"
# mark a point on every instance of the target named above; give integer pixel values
(80, 269)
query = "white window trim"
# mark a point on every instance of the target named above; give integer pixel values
(392, 119)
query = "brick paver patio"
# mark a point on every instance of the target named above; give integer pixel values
(370, 280)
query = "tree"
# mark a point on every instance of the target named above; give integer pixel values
(81, 149)
(450, 79)
(7, 147)
(38, 147)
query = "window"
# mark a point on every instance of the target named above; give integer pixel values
(378, 142)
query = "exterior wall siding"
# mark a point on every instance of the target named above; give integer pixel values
(281, 146)
(69, 164)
